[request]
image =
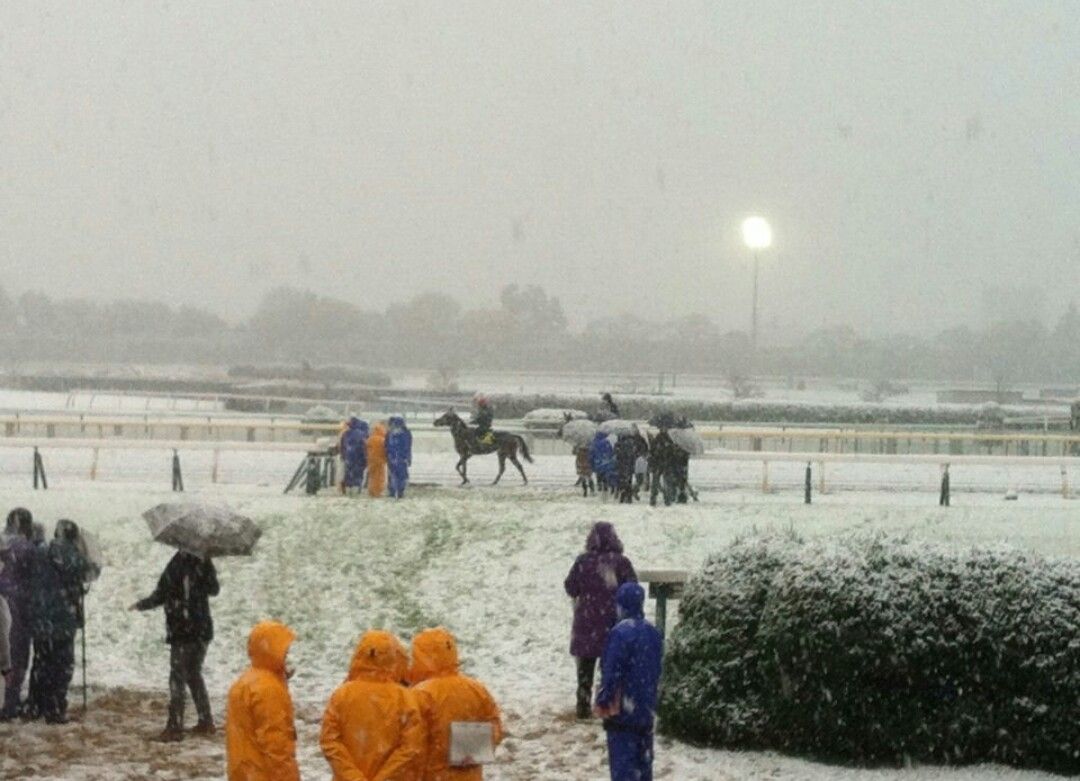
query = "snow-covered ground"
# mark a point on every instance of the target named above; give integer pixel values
(486, 562)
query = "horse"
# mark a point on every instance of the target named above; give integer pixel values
(504, 444)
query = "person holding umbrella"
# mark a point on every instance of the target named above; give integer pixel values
(184, 590)
(200, 532)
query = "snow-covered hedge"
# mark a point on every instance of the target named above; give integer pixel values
(763, 411)
(880, 650)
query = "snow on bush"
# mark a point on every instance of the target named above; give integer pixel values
(764, 411)
(880, 650)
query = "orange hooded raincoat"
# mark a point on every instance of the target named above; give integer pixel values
(260, 737)
(372, 729)
(445, 696)
(376, 460)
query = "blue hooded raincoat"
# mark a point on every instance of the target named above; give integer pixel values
(398, 455)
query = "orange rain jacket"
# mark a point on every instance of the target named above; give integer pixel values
(372, 729)
(445, 696)
(376, 460)
(260, 737)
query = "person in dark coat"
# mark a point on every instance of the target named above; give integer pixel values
(583, 467)
(184, 589)
(483, 419)
(625, 456)
(602, 458)
(57, 577)
(629, 679)
(592, 583)
(354, 452)
(398, 455)
(664, 459)
(17, 554)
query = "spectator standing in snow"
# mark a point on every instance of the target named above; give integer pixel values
(376, 460)
(592, 582)
(354, 453)
(602, 460)
(630, 676)
(445, 696)
(17, 554)
(664, 456)
(184, 590)
(398, 455)
(372, 727)
(260, 733)
(641, 462)
(58, 574)
(584, 470)
(625, 457)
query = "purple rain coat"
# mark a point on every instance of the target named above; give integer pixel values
(593, 580)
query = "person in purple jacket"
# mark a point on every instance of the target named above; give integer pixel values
(18, 554)
(593, 580)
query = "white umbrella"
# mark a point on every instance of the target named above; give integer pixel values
(579, 432)
(205, 530)
(688, 440)
(617, 426)
(90, 549)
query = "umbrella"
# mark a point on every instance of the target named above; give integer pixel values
(90, 549)
(688, 440)
(665, 419)
(579, 432)
(205, 530)
(617, 427)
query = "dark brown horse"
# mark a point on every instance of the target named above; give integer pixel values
(505, 444)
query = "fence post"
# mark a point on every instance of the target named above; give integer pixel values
(943, 500)
(94, 465)
(821, 477)
(809, 483)
(765, 477)
(39, 472)
(1064, 481)
(214, 468)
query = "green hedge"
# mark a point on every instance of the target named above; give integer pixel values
(875, 650)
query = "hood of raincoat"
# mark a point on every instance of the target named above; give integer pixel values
(268, 644)
(376, 657)
(354, 422)
(397, 421)
(401, 662)
(630, 599)
(603, 539)
(379, 430)
(434, 655)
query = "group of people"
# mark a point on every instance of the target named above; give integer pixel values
(369, 455)
(609, 626)
(41, 611)
(390, 719)
(633, 463)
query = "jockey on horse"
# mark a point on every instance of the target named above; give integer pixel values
(482, 418)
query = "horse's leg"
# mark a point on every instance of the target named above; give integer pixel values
(520, 468)
(502, 468)
(464, 470)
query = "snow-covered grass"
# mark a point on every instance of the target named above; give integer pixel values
(488, 564)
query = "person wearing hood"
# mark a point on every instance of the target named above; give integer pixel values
(592, 582)
(17, 554)
(483, 418)
(354, 453)
(372, 729)
(376, 460)
(398, 455)
(260, 734)
(184, 589)
(602, 458)
(630, 676)
(58, 575)
(446, 696)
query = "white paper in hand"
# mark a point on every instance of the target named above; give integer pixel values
(471, 743)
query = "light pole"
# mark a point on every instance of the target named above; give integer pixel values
(757, 235)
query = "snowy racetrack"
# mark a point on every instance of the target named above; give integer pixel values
(488, 563)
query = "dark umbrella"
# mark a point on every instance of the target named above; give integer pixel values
(205, 530)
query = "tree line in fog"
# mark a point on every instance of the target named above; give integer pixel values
(524, 329)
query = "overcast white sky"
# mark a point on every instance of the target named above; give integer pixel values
(910, 155)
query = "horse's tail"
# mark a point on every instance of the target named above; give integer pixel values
(524, 447)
